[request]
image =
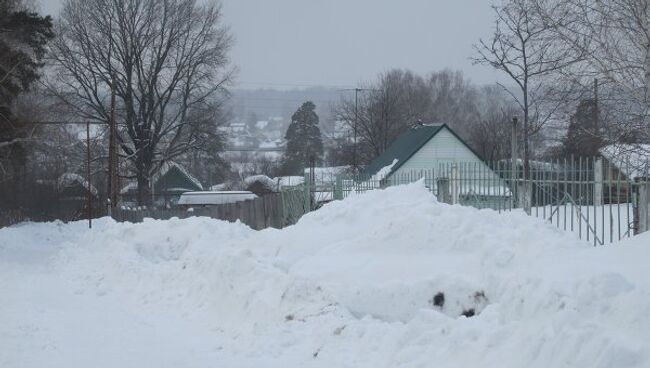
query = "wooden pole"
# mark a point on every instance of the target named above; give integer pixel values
(515, 151)
(112, 154)
(89, 191)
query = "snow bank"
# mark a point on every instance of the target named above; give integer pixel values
(389, 278)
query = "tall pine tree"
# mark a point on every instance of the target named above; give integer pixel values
(584, 136)
(23, 38)
(304, 141)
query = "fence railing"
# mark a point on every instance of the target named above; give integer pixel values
(599, 202)
(11, 217)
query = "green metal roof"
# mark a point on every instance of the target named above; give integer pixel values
(405, 146)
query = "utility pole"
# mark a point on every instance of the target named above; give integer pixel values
(113, 163)
(515, 160)
(89, 194)
(356, 123)
(113, 159)
(596, 117)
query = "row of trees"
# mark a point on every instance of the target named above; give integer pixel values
(399, 99)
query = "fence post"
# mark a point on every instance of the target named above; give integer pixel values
(443, 190)
(454, 184)
(598, 182)
(524, 195)
(307, 192)
(109, 208)
(641, 210)
(514, 175)
(338, 188)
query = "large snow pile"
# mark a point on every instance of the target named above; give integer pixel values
(383, 279)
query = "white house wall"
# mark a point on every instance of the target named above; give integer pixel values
(442, 150)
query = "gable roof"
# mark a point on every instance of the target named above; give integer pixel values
(192, 183)
(633, 160)
(169, 166)
(72, 181)
(406, 145)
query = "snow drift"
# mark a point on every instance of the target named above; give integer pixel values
(389, 278)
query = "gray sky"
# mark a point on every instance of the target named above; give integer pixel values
(286, 43)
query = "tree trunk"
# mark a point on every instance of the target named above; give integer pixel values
(144, 191)
(143, 164)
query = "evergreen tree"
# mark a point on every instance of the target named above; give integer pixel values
(23, 38)
(303, 140)
(584, 136)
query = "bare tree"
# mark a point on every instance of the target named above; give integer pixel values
(453, 101)
(166, 61)
(490, 135)
(385, 109)
(614, 37)
(524, 48)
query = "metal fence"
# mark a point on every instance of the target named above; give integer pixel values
(597, 201)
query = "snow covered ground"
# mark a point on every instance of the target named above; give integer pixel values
(380, 279)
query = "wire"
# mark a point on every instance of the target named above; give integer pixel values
(313, 85)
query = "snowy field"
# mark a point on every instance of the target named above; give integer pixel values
(380, 279)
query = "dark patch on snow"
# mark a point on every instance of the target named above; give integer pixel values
(469, 313)
(480, 297)
(439, 300)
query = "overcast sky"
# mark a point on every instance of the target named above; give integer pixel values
(285, 43)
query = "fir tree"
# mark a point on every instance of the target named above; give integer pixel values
(584, 137)
(23, 38)
(303, 140)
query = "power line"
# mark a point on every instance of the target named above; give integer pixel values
(313, 85)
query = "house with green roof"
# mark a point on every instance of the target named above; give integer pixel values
(436, 152)
(168, 183)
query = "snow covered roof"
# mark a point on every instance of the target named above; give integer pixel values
(164, 169)
(274, 184)
(167, 166)
(218, 187)
(264, 180)
(384, 171)
(269, 144)
(132, 186)
(633, 160)
(289, 181)
(326, 175)
(69, 180)
(214, 198)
